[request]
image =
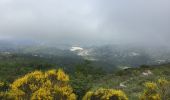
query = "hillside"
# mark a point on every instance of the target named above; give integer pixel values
(132, 80)
(85, 76)
(89, 68)
(109, 57)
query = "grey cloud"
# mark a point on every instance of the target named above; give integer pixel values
(115, 21)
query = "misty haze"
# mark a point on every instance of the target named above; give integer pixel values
(84, 50)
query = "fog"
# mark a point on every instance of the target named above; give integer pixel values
(145, 22)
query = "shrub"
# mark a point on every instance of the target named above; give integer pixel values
(150, 93)
(164, 88)
(50, 85)
(159, 90)
(105, 94)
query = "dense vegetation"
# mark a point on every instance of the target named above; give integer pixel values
(21, 74)
(54, 85)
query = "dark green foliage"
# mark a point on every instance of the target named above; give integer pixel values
(83, 77)
(15, 65)
(81, 84)
(144, 66)
(86, 68)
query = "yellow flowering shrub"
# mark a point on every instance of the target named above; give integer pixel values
(159, 90)
(54, 92)
(66, 91)
(164, 88)
(150, 93)
(151, 85)
(105, 94)
(42, 86)
(62, 76)
(42, 94)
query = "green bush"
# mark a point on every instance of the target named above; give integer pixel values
(105, 94)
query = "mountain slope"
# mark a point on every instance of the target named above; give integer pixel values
(132, 80)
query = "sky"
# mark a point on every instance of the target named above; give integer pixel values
(87, 21)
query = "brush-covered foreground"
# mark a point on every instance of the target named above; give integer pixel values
(143, 83)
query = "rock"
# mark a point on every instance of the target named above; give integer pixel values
(122, 85)
(147, 73)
